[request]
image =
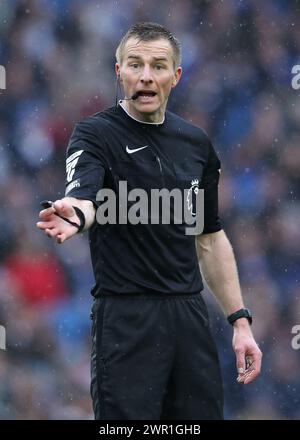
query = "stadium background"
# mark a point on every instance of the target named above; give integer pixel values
(237, 61)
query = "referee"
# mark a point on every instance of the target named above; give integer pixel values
(153, 356)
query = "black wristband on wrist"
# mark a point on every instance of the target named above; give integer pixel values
(242, 313)
(81, 217)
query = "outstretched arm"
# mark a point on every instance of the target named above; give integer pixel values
(59, 229)
(219, 269)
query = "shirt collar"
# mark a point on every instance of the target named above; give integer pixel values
(141, 122)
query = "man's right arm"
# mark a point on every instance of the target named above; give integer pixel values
(85, 169)
(57, 228)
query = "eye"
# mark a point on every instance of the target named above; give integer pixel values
(134, 65)
(159, 67)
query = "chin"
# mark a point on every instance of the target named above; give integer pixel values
(148, 108)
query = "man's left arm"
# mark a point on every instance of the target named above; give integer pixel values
(219, 269)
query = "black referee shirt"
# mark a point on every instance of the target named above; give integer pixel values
(143, 258)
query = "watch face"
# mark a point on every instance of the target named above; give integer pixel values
(248, 313)
(242, 313)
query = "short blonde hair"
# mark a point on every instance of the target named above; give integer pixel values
(147, 31)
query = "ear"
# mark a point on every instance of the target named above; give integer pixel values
(117, 69)
(177, 76)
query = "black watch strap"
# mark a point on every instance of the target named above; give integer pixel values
(81, 217)
(47, 204)
(242, 313)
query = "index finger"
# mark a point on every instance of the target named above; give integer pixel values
(45, 213)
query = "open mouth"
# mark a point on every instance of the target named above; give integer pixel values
(146, 94)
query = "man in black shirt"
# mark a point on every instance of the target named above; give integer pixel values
(153, 356)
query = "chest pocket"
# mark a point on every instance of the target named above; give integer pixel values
(138, 173)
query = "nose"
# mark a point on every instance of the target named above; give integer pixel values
(146, 76)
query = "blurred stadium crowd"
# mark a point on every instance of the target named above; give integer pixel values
(237, 61)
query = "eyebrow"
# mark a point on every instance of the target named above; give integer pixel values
(137, 57)
(160, 58)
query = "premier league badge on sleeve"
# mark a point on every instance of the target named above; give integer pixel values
(191, 196)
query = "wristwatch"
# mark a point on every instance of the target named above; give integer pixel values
(242, 313)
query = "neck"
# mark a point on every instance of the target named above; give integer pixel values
(152, 118)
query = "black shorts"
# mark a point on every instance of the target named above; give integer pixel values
(154, 358)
